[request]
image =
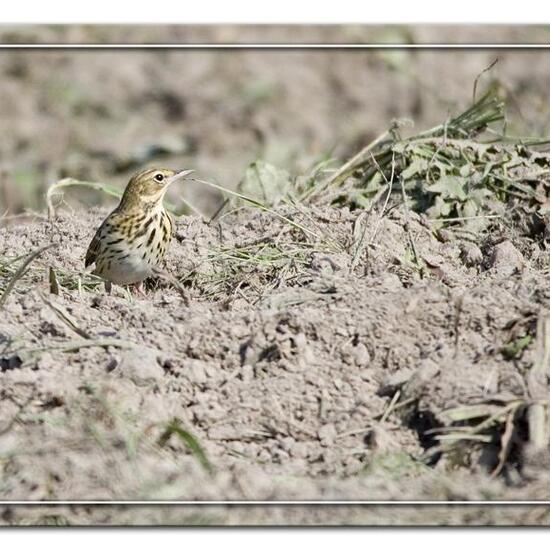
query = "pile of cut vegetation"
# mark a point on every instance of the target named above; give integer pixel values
(464, 170)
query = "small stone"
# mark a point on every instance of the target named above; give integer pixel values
(329, 456)
(287, 443)
(111, 364)
(265, 456)
(390, 281)
(381, 440)
(506, 259)
(180, 330)
(197, 372)
(211, 371)
(96, 301)
(237, 447)
(224, 433)
(327, 435)
(305, 353)
(140, 365)
(300, 341)
(361, 355)
(299, 449)
(470, 254)
(249, 353)
(51, 324)
(445, 235)
(247, 373)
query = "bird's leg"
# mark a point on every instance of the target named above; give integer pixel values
(138, 289)
(108, 287)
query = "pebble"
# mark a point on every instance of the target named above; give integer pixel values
(327, 435)
(197, 372)
(470, 254)
(141, 366)
(506, 259)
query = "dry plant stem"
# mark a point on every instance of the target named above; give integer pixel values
(52, 279)
(407, 224)
(78, 344)
(391, 406)
(505, 442)
(21, 271)
(538, 385)
(103, 187)
(465, 218)
(448, 442)
(436, 152)
(193, 208)
(359, 234)
(70, 182)
(487, 69)
(62, 314)
(349, 166)
(459, 302)
(164, 275)
(255, 203)
(390, 187)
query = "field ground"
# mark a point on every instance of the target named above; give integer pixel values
(379, 339)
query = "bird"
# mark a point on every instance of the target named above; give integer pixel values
(132, 240)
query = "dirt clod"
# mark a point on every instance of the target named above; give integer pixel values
(506, 259)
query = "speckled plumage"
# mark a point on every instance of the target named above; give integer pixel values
(132, 241)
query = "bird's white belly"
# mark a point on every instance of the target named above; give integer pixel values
(126, 271)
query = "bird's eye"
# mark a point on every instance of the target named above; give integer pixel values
(159, 177)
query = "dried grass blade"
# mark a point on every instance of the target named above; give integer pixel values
(63, 315)
(21, 271)
(257, 204)
(505, 443)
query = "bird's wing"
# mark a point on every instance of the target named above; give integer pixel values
(93, 249)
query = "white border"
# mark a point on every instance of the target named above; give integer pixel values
(274, 502)
(275, 46)
(277, 502)
(348, 12)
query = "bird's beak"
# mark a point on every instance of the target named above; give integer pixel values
(178, 176)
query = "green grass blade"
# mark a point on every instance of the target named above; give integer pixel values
(189, 440)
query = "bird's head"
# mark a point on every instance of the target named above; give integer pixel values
(147, 188)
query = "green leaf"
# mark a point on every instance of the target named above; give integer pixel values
(440, 208)
(513, 349)
(466, 170)
(417, 166)
(394, 465)
(468, 412)
(451, 187)
(469, 208)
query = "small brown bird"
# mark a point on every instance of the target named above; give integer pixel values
(133, 239)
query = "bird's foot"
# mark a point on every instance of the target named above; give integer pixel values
(138, 290)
